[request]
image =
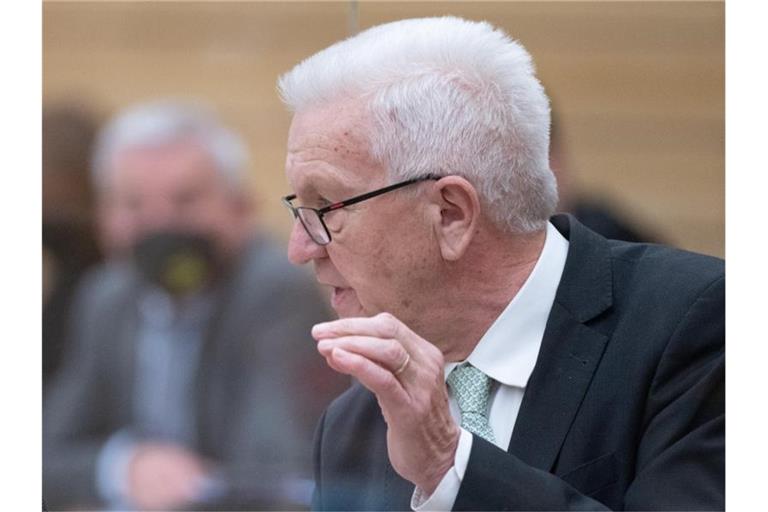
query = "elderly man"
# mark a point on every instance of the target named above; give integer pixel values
(193, 381)
(505, 359)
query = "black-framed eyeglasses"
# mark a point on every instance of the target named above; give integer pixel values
(313, 218)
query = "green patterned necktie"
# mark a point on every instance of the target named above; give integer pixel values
(472, 388)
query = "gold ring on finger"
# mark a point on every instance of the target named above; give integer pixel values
(404, 365)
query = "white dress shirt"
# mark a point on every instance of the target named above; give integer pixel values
(507, 353)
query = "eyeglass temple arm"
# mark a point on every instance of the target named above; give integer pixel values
(368, 195)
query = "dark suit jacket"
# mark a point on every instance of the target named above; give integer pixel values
(260, 386)
(624, 409)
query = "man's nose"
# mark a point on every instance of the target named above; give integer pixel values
(301, 248)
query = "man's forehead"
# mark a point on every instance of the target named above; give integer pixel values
(329, 145)
(345, 123)
(322, 175)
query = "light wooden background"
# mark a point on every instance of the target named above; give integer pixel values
(639, 86)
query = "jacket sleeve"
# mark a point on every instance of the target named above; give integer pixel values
(74, 419)
(680, 454)
(681, 457)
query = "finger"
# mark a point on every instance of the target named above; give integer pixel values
(403, 376)
(379, 326)
(383, 325)
(378, 380)
(389, 354)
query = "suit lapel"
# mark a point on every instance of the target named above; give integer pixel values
(569, 356)
(570, 350)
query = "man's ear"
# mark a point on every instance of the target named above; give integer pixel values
(458, 205)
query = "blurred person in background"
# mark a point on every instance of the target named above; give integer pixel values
(192, 381)
(595, 212)
(69, 240)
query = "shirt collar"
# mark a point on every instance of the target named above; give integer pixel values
(508, 350)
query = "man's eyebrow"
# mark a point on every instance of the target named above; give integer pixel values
(305, 187)
(319, 184)
(310, 195)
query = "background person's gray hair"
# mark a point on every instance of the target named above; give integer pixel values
(162, 122)
(447, 96)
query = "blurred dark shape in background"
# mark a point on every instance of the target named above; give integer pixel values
(598, 213)
(69, 242)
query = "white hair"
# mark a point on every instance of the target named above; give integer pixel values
(163, 122)
(446, 96)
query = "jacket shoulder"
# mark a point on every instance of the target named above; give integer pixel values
(353, 422)
(668, 270)
(104, 284)
(354, 402)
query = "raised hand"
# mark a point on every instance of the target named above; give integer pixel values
(405, 372)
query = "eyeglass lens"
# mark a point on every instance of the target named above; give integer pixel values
(314, 226)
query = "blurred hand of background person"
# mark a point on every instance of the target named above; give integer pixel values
(180, 388)
(164, 476)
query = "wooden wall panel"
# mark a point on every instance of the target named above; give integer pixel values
(639, 86)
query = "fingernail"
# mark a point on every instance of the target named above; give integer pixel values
(323, 345)
(319, 329)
